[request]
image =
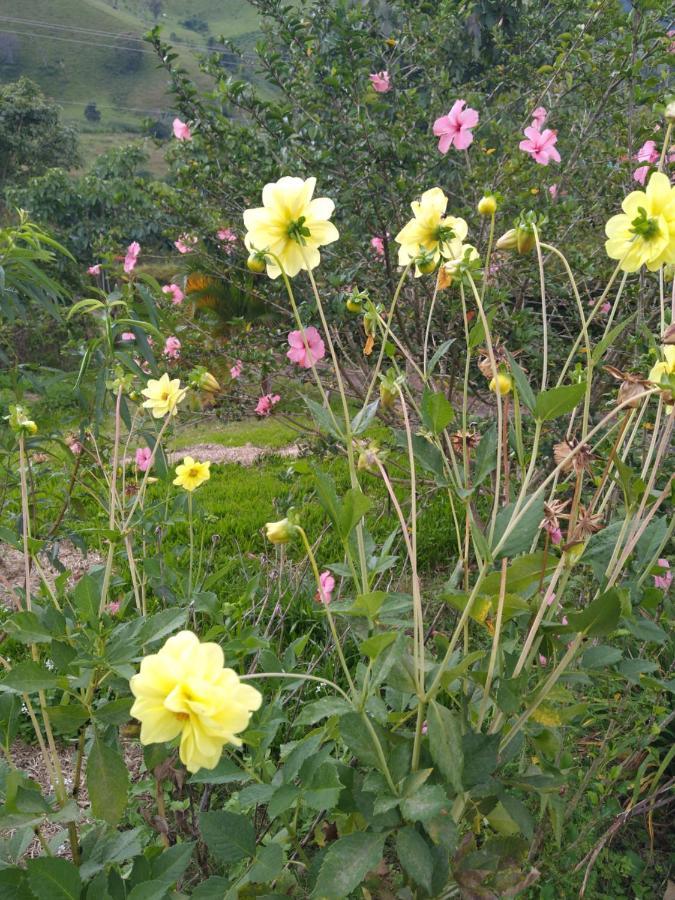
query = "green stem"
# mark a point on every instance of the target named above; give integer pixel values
(385, 336)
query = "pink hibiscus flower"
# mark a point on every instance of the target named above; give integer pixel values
(663, 582)
(325, 593)
(186, 243)
(130, 260)
(307, 350)
(646, 154)
(228, 239)
(377, 244)
(236, 369)
(177, 296)
(94, 270)
(143, 458)
(172, 347)
(181, 130)
(265, 404)
(455, 128)
(540, 145)
(380, 82)
(539, 116)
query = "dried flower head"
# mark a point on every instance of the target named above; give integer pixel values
(571, 455)
(631, 387)
(500, 357)
(588, 523)
(460, 439)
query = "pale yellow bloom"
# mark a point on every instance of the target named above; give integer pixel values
(431, 230)
(163, 396)
(502, 383)
(190, 473)
(280, 532)
(644, 234)
(291, 225)
(664, 367)
(185, 690)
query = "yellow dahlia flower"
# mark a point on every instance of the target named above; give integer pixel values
(190, 473)
(291, 225)
(280, 532)
(644, 234)
(502, 384)
(431, 231)
(665, 367)
(185, 690)
(163, 396)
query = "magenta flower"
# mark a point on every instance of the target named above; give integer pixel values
(377, 244)
(113, 607)
(307, 350)
(553, 190)
(648, 152)
(186, 243)
(564, 620)
(228, 238)
(325, 593)
(235, 370)
(550, 600)
(172, 347)
(455, 128)
(606, 307)
(425, 727)
(380, 82)
(130, 260)
(128, 336)
(663, 582)
(94, 270)
(542, 660)
(143, 458)
(539, 116)
(181, 130)
(177, 296)
(265, 404)
(540, 145)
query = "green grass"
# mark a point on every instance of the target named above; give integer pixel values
(272, 432)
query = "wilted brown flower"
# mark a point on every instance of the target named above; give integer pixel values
(631, 386)
(501, 359)
(582, 459)
(460, 438)
(588, 523)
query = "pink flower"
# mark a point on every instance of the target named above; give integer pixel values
(236, 369)
(181, 130)
(550, 600)
(265, 404)
(177, 296)
(172, 347)
(128, 336)
(307, 350)
(553, 190)
(378, 245)
(113, 607)
(185, 243)
(228, 238)
(455, 128)
(664, 581)
(380, 82)
(94, 270)
(540, 145)
(648, 152)
(425, 727)
(130, 260)
(554, 531)
(640, 174)
(564, 620)
(542, 660)
(539, 116)
(143, 457)
(325, 593)
(606, 307)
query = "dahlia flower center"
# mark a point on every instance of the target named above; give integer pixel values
(645, 227)
(444, 233)
(298, 231)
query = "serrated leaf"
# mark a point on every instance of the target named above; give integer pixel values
(415, 857)
(429, 801)
(373, 646)
(229, 836)
(523, 533)
(522, 384)
(437, 412)
(107, 782)
(445, 743)
(53, 879)
(364, 417)
(346, 863)
(27, 677)
(558, 400)
(323, 709)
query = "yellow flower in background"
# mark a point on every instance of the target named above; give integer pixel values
(291, 225)
(163, 396)
(280, 532)
(664, 367)
(431, 231)
(644, 234)
(502, 384)
(185, 690)
(190, 473)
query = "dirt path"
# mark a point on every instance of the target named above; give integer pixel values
(246, 455)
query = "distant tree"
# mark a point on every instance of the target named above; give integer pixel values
(32, 139)
(91, 112)
(155, 7)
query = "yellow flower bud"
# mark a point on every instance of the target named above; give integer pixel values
(525, 240)
(670, 111)
(507, 241)
(502, 383)
(353, 304)
(255, 263)
(487, 206)
(208, 383)
(280, 532)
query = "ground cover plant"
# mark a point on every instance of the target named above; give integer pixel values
(422, 647)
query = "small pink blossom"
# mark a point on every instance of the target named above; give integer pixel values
(325, 593)
(455, 128)
(648, 152)
(128, 336)
(113, 607)
(378, 245)
(177, 296)
(540, 145)
(265, 404)
(172, 347)
(143, 458)
(307, 350)
(130, 260)
(553, 190)
(228, 238)
(606, 307)
(181, 130)
(425, 727)
(542, 660)
(640, 174)
(94, 270)
(550, 600)
(663, 582)
(186, 243)
(564, 620)
(380, 82)
(236, 369)
(554, 531)
(539, 116)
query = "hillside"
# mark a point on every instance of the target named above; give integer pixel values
(91, 51)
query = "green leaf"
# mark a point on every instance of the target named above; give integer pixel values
(600, 656)
(524, 532)
(68, 718)
(429, 801)
(480, 758)
(115, 712)
(324, 789)
(435, 359)
(107, 782)
(646, 630)
(355, 735)
(268, 864)
(437, 412)
(598, 619)
(322, 418)
(486, 455)
(519, 813)
(367, 604)
(229, 836)
(51, 878)
(149, 890)
(170, 865)
(364, 417)
(415, 857)
(323, 709)
(373, 646)
(522, 384)
(346, 863)
(599, 350)
(224, 773)
(558, 400)
(354, 506)
(86, 597)
(27, 677)
(10, 717)
(27, 628)
(522, 575)
(445, 743)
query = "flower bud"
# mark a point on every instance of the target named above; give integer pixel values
(256, 262)
(487, 206)
(525, 239)
(502, 384)
(19, 422)
(426, 263)
(387, 395)
(669, 112)
(208, 383)
(507, 241)
(280, 532)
